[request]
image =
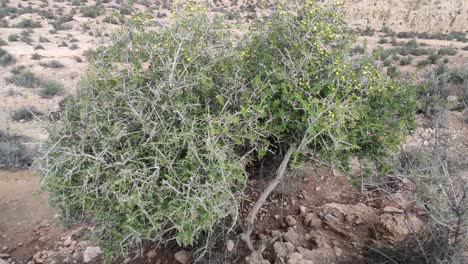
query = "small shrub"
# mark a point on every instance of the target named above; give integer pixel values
(50, 88)
(26, 113)
(74, 46)
(76, 2)
(91, 11)
(48, 14)
(420, 52)
(382, 54)
(3, 42)
(459, 36)
(24, 78)
(423, 63)
(413, 44)
(393, 72)
(4, 23)
(383, 41)
(388, 32)
(26, 39)
(450, 51)
(53, 31)
(43, 39)
(13, 37)
(406, 61)
(6, 58)
(112, 20)
(36, 56)
(62, 44)
(12, 92)
(39, 47)
(388, 61)
(13, 153)
(438, 85)
(78, 59)
(28, 23)
(55, 64)
(369, 31)
(17, 69)
(433, 58)
(465, 48)
(406, 35)
(396, 57)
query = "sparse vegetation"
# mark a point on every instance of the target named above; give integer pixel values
(112, 20)
(434, 172)
(423, 63)
(74, 46)
(62, 44)
(26, 113)
(383, 41)
(459, 36)
(13, 153)
(439, 85)
(75, 2)
(43, 39)
(13, 37)
(6, 58)
(406, 61)
(3, 42)
(433, 58)
(55, 64)
(91, 11)
(388, 32)
(50, 88)
(39, 47)
(28, 23)
(36, 56)
(357, 50)
(450, 51)
(17, 69)
(24, 78)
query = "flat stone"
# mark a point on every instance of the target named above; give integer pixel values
(183, 256)
(91, 253)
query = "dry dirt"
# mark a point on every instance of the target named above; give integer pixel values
(23, 207)
(409, 15)
(319, 213)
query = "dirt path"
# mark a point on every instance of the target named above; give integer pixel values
(22, 210)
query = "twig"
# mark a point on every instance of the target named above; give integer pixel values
(245, 236)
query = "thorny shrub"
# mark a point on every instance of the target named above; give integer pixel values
(156, 143)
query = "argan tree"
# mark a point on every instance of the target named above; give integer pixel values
(155, 145)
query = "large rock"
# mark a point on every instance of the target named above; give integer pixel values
(183, 256)
(291, 221)
(91, 253)
(312, 220)
(320, 255)
(296, 258)
(352, 214)
(281, 250)
(400, 225)
(292, 236)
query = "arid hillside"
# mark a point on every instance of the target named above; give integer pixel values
(410, 15)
